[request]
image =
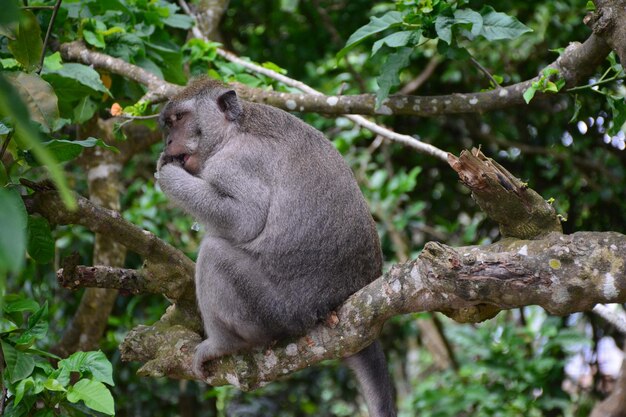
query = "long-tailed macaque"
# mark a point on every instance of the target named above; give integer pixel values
(289, 236)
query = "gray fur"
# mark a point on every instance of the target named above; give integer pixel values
(288, 234)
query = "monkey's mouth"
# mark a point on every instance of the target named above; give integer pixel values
(181, 158)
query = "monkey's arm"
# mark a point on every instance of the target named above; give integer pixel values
(235, 204)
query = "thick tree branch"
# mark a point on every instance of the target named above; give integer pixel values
(130, 281)
(577, 62)
(77, 52)
(608, 22)
(519, 210)
(561, 273)
(169, 267)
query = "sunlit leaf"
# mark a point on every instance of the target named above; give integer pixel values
(96, 363)
(376, 25)
(94, 394)
(498, 26)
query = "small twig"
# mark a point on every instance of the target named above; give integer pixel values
(417, 82)
(131, 117)
(5, 144)
(55, 10)
(618, 76)
(37, 7)
(485, 71)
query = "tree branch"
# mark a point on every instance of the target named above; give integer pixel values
(166, 265)
(129, 281)
(561, 273)
(577, 62)
(608, 22)
(519, 210)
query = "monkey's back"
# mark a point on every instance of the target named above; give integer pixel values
(319, 244)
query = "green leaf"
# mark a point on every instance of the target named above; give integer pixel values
(27, 46)
(53, 61)
(11, 105)
(499, 26)
(179, 21)
(443, 27)
(274, 67)
(395, 40)
(577, 106)
(467, 16)
(96, 363)
(66, 150)
(248, 79)
(618, 110)
(94, 394)
(377, 24)
(37, 329)
(22, 388)
(38, 322)
(13, 235)
(390, 73)
(84, 110)
(125, 46)
(52, 384)
(529, 93)
(6, 325)
(19, 364)
(39, 96)
(83, 74)
(16, 303)
(10, 12)
(40, 242)
(95, 39)
(551, 87)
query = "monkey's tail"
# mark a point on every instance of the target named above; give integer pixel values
(370, 367)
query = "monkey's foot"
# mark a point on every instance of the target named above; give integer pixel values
(204, 352)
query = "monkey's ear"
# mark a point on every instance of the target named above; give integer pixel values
(229, 104)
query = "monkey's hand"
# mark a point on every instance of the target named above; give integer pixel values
(167, 159)
(173, 178)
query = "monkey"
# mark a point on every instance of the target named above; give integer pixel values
(288, 234)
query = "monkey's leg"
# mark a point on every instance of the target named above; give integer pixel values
(228, 289)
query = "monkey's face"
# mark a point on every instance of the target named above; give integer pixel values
(197, 121)
(181, 133)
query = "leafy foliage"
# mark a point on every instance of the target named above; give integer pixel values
(35, 386)
(415, 22)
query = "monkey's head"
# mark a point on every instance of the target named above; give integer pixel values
(197, 120)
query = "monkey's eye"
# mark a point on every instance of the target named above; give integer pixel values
(179, 116)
